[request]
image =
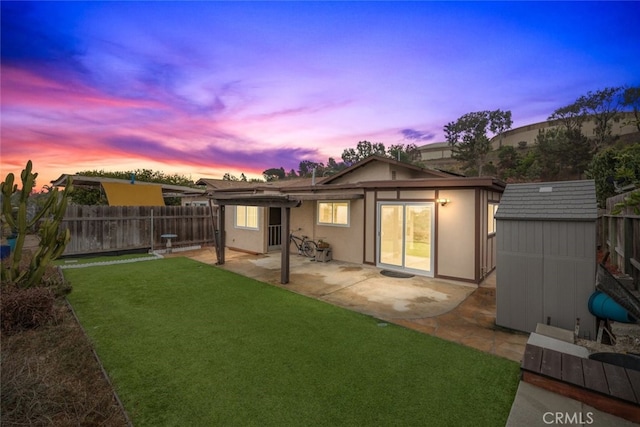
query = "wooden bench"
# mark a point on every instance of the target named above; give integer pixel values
(609, 388)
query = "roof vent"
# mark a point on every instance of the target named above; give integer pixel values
(546, 189)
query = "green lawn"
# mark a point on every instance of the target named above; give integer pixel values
(188, 344)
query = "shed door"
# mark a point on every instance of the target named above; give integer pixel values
(405, 236)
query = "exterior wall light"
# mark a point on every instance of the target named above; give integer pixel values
(443, 202)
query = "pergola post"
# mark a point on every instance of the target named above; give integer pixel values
(284, 238)
(221, 239)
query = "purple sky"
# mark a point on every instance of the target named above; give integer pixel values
(204, 88)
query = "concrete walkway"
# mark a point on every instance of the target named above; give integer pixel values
(454, 311)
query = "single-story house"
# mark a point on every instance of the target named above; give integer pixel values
(379, 212)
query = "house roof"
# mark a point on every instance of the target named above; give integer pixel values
(363, 163)
(565, 200)
(324, 189)
(225, 185)
(168, 190)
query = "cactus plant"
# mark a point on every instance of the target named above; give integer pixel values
(52, 242)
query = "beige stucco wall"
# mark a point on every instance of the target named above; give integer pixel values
(303, 218)
(346, 242)
(388, 195)
(244, 239)
(420, 195)
(374, 171)
(456, 234)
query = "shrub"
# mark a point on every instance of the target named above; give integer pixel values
(26, 308)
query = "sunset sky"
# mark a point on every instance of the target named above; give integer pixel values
(204, 88)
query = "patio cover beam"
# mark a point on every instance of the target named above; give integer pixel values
(261, 200)
(328, 196)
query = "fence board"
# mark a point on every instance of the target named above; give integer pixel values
(96, 229)
(622, 238)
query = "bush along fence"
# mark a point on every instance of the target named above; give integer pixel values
(101, 229)
(620, 236)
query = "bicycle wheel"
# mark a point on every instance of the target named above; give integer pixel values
(309, 248)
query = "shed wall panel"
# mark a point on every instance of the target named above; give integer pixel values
(519, 273)
(546, 269)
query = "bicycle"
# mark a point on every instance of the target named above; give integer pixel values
(305, 246)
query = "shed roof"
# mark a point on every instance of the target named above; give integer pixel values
(554, 201)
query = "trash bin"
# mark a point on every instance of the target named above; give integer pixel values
(5, 251)
(11, 240)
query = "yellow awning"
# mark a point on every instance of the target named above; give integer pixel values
(133, 194)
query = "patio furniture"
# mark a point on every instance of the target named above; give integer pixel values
(324, 254)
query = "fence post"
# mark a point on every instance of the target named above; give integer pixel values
(152, 235)
(614, 241)
(628, 245)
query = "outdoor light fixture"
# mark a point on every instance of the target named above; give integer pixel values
(443, 202)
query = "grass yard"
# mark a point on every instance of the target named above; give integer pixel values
(186, 343)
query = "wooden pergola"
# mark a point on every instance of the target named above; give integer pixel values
(285, 202)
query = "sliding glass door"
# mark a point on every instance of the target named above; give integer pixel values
(405, 233)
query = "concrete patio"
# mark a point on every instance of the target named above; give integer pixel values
(454, 311)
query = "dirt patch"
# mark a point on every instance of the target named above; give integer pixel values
(50, 377)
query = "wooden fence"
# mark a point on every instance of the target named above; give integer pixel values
(620, 235)
(96, 229)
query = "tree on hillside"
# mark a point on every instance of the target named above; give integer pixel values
(572, 117)
(548, 152)
(509, 161)
(500, 122)
(604, 107)
(614, 168)
(362, 151)
(468, 138)
(405, 153)
(631, 100)
(560, 155)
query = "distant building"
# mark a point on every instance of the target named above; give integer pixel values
(521, 137)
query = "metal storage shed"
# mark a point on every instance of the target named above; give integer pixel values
(546, 255)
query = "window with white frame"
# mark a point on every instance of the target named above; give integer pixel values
(491, 218)
(247, 217)
(333, 213)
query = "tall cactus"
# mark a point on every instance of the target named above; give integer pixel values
(52, 242)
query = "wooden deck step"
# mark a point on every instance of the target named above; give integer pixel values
(609, 388)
